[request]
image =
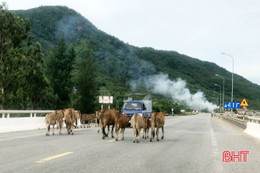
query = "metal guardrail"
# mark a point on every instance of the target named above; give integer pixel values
(33, 113)
(249, 117)
(254, 120)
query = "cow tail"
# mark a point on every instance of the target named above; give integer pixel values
(116, 124)
(154, 125)
(98, 122)
(71, 117)
(135, 119)
(70, 114)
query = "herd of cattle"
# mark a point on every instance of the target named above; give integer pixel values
(106, 118)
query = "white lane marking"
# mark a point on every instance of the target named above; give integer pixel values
(214, 143)
(216, 154)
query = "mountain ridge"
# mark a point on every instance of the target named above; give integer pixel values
(118, 60)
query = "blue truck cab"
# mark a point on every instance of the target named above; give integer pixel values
(141, 107)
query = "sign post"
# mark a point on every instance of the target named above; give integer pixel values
(232, 105)
(105, 99)
(244, 104)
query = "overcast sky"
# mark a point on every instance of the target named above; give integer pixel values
(198, 28)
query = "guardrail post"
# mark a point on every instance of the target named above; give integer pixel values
(31, 115)
(3, 115)
(8, 115)
(34, 115)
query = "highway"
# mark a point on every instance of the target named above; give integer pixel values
(192, 144)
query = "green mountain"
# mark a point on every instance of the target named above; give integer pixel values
(120, 63)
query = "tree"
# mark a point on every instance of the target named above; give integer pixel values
(59, 67)
(13, 30)
(36, 83)
(84, 78)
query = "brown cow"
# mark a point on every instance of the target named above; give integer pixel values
(107, 118)
(87, 117)
(59, 116)
(50, 119)
(137, 122)
(121, 122)
(147, 125)
(70, 118)
(157, 121)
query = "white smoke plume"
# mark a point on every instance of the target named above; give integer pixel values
(175, 89)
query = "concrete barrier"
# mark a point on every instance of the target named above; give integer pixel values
(253, 129)
(237, 122)
(20, 124)
(30, 122)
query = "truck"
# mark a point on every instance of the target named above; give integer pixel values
(141, 107)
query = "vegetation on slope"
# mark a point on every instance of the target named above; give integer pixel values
(117, 63)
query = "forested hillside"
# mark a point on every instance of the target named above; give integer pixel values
(117, 64)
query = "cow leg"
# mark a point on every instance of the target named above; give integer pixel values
(68, 128)
(108, 130)
(134, 131)
(76, 124)
(112, 131)
(72, 129)
(146, 133)
(117, 130)
(138, 136)
(99, 125)
(157, 133)
(48, 130)
(103, 132)
(53, 129)
(123, 133)
(60, 126)
(152, 134)
(162, 132)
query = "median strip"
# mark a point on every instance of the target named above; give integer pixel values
(54, 157)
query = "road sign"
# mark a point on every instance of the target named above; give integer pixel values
(244, 103)
(105, 99)
(236, 105)
(225, 106)
(233, 105)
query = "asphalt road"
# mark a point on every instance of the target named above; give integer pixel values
(192, 144)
